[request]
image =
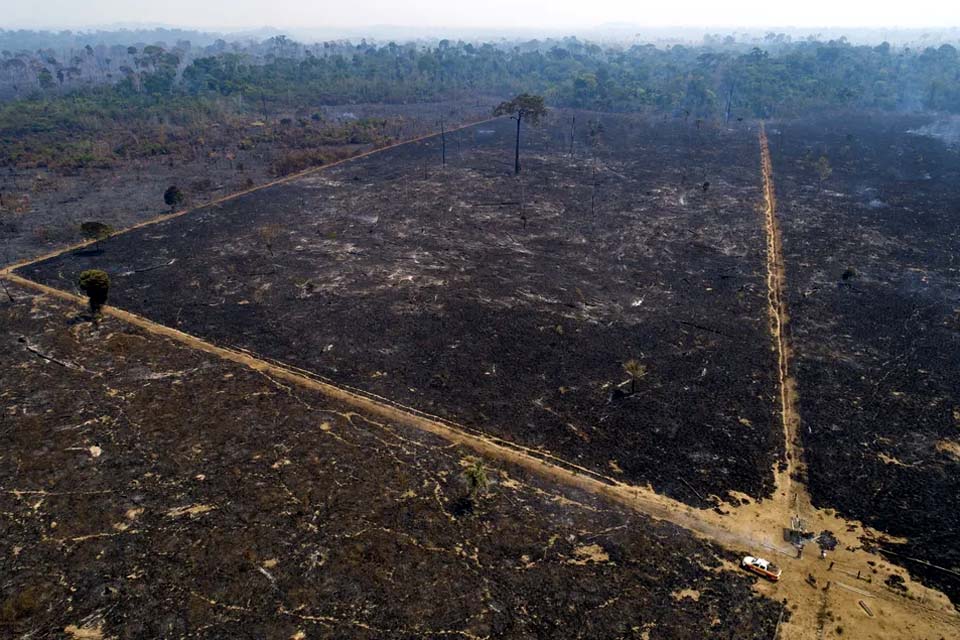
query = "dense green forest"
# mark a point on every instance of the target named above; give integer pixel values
(705, 81)
(783, 78)
(127, 86)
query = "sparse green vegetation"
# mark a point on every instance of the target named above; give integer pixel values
(20, 604)
(636, 371)
(173, 197)
(96, 231)
(475, 476)
(96, 284)
(268, 235)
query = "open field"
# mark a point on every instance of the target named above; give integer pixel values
(437, 288)
(872, 266)
(507, 306)
(42, 207)
(151, 490)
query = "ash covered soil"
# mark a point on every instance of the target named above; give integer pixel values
(507, 305)
(873, 272)
(42, 209)
(150, 490)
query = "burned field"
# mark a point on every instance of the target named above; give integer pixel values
(151, 490)
(872, 269)
(42, 207)
(506, 305)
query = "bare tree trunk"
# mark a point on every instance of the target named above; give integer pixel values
(516, 159)
(593, 191)
(523, 198)
(733, 86)
(443, 143)
(573, 121)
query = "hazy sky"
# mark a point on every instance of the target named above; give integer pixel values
(556, 14)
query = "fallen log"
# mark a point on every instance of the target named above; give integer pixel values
(7, 291)
(63, 363)
(506, 203)
(702, 328)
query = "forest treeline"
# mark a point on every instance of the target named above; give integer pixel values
(707, 80)
(76, 92)
(704, 81)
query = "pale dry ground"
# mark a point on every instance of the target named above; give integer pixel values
(823, 602)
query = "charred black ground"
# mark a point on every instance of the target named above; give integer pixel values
(873, 272)
(150, 490)
(507, 304)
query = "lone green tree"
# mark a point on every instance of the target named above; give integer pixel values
(476, 477)
(96, 284)
(96, 231)
(523, 106)
(636, 371)
(173, 196)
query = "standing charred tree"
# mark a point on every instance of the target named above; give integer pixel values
(596, 131)
(443, 143)
(523, 106)
(729, 103)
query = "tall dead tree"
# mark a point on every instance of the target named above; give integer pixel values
(729, 103)
(443, 143)
(593, 190)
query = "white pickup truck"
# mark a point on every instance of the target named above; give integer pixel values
(761, 567)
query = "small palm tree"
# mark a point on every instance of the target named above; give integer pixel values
(476, 477)
(636, 371)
